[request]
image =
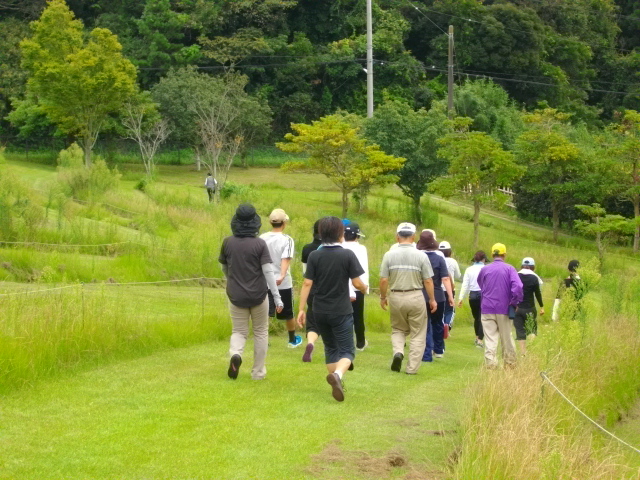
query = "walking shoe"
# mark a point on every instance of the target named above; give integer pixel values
(351, 367)
(336, 386)
(366, 344)
(296, 343)
(479, 343)
(234, 366)
(396, 364)
(307, 352)
(439, 355)
(446, 331)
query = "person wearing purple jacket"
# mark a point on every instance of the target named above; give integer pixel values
(501, 292)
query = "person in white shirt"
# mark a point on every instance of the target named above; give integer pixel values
(352, 235)
(470, 285)
(210, 184)
(456, 275)
(281, 248)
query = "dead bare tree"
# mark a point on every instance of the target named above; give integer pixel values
(148, 134)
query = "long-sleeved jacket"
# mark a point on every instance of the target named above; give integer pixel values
(501, 286)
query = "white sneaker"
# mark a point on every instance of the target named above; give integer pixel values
(366, 344)
(439, 355)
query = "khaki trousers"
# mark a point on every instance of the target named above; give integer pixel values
(408, 312)
(497, 328)
(259, 317)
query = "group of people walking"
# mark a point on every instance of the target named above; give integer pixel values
(416, 285)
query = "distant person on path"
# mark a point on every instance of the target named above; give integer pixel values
(329, 269)
(246, 263)
(403, 274)
(572, 283)
(312, 330)
(210, 184)
(501, 293)
(352, 236)
(454, 275)
(281, 248)
(470, 284)
(443, 294)
(525, 320)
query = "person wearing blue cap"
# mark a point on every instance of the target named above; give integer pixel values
(525, 319)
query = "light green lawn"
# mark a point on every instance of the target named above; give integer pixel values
(176, 414)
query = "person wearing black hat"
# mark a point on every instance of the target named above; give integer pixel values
(570, 282)
(352, 235)
(246, 263)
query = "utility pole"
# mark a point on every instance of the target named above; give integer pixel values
(369, 61)
(450, 74)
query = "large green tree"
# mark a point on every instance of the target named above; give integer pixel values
(412, 134)
(335, 148)
(478, 167)
(79, 81)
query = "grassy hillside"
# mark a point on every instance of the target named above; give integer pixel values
(85, 349)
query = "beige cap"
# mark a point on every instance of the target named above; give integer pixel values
(278, 216)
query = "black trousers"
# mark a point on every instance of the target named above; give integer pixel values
(474, 302)
(525, 322)
(210, 192)
(358, 319)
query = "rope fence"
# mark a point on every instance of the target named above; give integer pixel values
(90, 245)
(597, 425)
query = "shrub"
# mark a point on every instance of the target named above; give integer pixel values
(81, 182)
(243, 193)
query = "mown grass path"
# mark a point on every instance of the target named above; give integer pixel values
(175, 414)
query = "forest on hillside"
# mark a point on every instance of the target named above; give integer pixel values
(306, 57)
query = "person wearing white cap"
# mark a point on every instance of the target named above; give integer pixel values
(456, 275)
(525, 319)
(403, 274)
(281, 248)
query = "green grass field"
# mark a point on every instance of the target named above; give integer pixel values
(111, 380)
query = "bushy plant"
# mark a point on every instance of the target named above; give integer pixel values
(85, 183)
(245, 193)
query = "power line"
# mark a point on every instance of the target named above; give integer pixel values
(512, 80)
(223, 67)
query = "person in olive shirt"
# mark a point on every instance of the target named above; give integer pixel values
(329, 270)
(312, 329)
(404, 272)
(246, 263)
(525, 319)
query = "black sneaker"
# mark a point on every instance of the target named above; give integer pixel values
(396, 364)
(336, 385)
(351, 367)
(234, 366)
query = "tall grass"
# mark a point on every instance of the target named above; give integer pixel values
(517, 426)
(46, 333)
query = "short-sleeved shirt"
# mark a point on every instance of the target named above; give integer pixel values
(440, 270)
(280, 246)
(331, 268)
(405, 267)
(244, 257)
(308, 248)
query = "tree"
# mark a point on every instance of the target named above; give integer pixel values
(478, 166)
(145, 127)
(78, 83)
(554, 164)
(336, 149)
(412, 134)
(627, 153)
(226, 115)
(602, 226)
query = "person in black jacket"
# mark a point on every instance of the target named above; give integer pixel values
(525, 319)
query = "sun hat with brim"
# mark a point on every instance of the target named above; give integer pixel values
(246, 222)
(499, 249)
(444, 246)
(406, 227)
(528, 262)
(278, 216)
(353, 228)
